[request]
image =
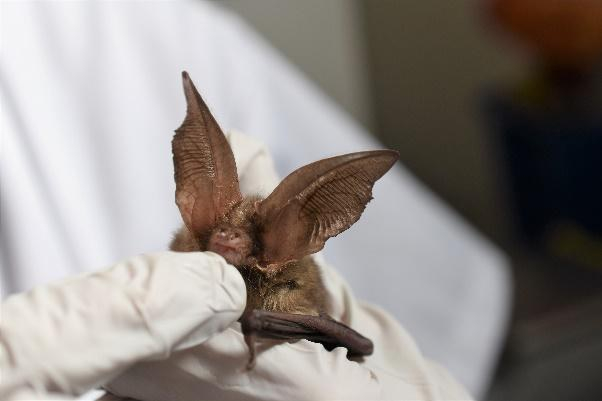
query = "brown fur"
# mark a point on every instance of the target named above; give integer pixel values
(296, 287)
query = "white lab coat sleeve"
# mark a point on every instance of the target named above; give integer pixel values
(69, 337)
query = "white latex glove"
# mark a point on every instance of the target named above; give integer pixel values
(297, 371)
(70, 337)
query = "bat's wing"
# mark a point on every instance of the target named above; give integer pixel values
(287, 326)
(318, 201)
(204, 167)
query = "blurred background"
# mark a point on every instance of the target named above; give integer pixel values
(497, 107)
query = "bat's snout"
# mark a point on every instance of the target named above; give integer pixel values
(232, 243)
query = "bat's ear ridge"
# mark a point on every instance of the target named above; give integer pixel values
(318, 201)
(204, 168)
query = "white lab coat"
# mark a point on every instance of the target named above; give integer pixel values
(90, 95)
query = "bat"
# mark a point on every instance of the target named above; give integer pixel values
(270, 241)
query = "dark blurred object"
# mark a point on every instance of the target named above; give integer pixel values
(561, 32)
(554, 158)
(551, 125)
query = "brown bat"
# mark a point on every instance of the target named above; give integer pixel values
(270, 241)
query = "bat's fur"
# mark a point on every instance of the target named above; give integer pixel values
(297, 287)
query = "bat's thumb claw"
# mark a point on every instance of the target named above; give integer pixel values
(251, 363)
(250, 341)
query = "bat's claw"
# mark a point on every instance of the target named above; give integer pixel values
(251, 363)
(250, 341)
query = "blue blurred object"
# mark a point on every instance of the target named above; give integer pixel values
(554, 159)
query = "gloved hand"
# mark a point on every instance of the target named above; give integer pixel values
(70, 337)
(293, 371)
(296, 371)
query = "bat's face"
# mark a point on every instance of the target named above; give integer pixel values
(233, 237)
(232, 243)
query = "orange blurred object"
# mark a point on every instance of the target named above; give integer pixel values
(567, 33)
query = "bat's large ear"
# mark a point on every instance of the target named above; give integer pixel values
(204, 167)
(318, 201)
